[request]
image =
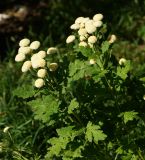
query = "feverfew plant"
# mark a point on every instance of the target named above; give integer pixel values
(90, 100)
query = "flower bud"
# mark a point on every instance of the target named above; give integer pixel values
(35, 45)
(92, 39)
(70, 39)
(26, 66)
(52, 50)
(5, 130)
(41, 73)
(53, 66)
(41, 54)
(83, 44)
(122, 61)
(24, 50)
(92, 61)
(24, 42)
(112, 38)
(19, 57)
(98, 17)
(39, 83)
(98, 23)
(79, 20)
(75, 26)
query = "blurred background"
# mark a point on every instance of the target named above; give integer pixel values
(48, 21)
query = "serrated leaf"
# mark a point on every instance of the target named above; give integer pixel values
(105, 46)
(122, 71)
(24, 91)
(45, 107)
(94, 133)
(128, 116)
(73, 105)
(86, 51)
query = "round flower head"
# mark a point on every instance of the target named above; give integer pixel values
(92, 61)
(90, 28)
(19, 57)
(79, 20)
(112, 38)
(52, 50)
(41, 54)
(53, 66)
(98, 23)
(83, 44)
(122, 61)
(70, 39)
(24, 50)
(75, 26)
(35, 45)
(37, 61)
(26, 66)
(24, 42)
(98, 17)
(92, 39)
(144, 97)
(82, 32)
(41, 73)
(39, 83)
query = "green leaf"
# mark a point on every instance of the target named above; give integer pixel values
(122, 71)
(86, 51)
(73, 105)
(24, 91)
(105, 46)
(94, 133)
(45, 107)
(128, 116)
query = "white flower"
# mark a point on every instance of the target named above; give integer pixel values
(98, 23)
(92, 61)
(52, 50)
(53, 66)
(82, 38)
(122, 61)
(37, 61)
(82, 32)
(35, 45)
(75, 26)
(90, 28)
(41, 54)
(24, 42)
(24, 50)
(70, 39)
(144, 97)
(92, 39)
(79, 20)
(39, 83)
(41, 73)
(112, 38)
(19, 57)
(85, 20)
(82, 25)
(98, 17)
(83, 44)
(26, 66)
(5, 130)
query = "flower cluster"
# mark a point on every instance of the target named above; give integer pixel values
(35, 60)
(86, 29)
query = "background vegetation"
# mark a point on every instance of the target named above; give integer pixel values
(49, 21)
